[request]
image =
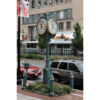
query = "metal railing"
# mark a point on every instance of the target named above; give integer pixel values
(51, 52)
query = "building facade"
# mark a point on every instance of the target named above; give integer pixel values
(65, 12)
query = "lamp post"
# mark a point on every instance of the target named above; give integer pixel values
(47, 29)
(19, 81)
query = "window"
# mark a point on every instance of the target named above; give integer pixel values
(58, 46)
(61, 15)
(45, 2)
(38, 17)
(28, 45)
(34, 30)
(61, 1)
(69, 13)
(31, 34)
(30, 21)
(56, 1)
(39, 3)
(33, 3)
(31, 45)
(63, 65)
(35, 18)
(60, 25)
(66, 0)
(73, 67)
(68, 25)
(67, 46)
(24, 20)
(54, 64)
(50, 2)
(54, 15)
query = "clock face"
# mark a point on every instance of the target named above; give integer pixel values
(52, 26)
(41, 26)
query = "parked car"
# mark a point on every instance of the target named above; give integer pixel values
(61, 70)
(32, 72)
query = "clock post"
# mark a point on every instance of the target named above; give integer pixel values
(47, 29)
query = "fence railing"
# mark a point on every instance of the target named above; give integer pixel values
(51, 52)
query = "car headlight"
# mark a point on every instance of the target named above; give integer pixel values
(39, 70)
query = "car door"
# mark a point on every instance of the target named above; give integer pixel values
(63, 70)
(54, 67)
(76, 72)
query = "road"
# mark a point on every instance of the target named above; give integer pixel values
(40, 65)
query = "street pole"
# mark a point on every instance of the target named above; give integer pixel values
(19, 81)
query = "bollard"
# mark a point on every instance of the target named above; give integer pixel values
(52, 94)
(24, 80)
(72, 81)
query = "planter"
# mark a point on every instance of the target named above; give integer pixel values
(43, 93)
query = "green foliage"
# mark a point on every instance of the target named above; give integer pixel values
(41, 43)
(22, 55)
(77, 42)
(44, 88)
(67, 89)
(61, 37)
(60, 57)
(31, 56)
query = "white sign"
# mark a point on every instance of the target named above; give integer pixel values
(24, 8)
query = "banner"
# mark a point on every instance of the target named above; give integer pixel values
(24, 8)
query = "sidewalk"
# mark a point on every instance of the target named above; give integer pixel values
(25, 95)
(43, 97)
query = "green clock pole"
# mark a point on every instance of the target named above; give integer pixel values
(47, 71)
(46, 35)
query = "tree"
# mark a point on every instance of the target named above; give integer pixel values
(77, 42)
(41, 43)
(61, 37)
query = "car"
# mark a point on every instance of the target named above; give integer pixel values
(61, 70)
(32, 72)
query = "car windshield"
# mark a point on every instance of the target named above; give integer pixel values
(89, 66)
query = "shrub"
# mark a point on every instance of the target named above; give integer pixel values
(22, 55)
(67, 89)
(31, 56)
(44, 88)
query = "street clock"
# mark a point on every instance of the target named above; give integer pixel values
(41, 26)
(52, 26)
(47, 27)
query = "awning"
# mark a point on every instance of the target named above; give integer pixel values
(86, 33)
(60, 41)
(67, 34)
